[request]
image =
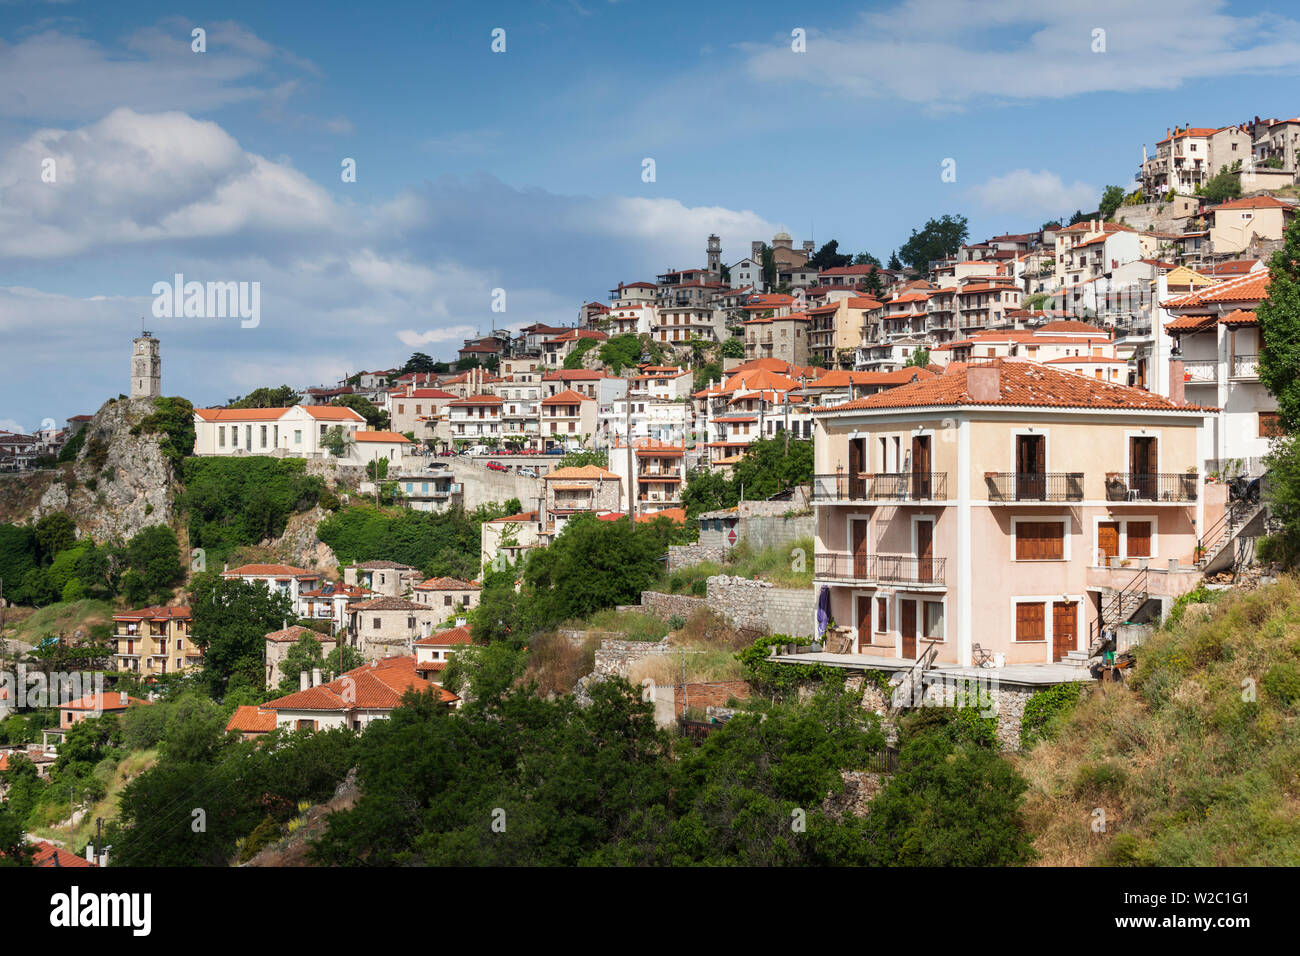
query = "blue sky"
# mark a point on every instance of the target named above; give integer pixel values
(522, 170)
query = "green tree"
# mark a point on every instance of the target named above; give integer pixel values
(421, 363)
(155, 555)
(866, 259)
(343, 659)
(768, 257)
(1222, 186)
(172, 420)
(620, 352)
(55, 532)
(829, 257)
(733, 347)
(1279, 326)
(335, 442)
(577, 459)
(304, 655)
(14, 848)
(265, 397)
(895, 263)
(937, 239)
(1111, 197)
(231, 620)
(919, 358)
(376, 418)
(18, 555)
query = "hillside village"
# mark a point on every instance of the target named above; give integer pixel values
(1003, 464)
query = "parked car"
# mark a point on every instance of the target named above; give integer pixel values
(527, 471)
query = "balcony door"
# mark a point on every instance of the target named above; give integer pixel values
(925, 551)
(921, 467)
(907, 628)
(857, 468)
(1143, 466)
(1031, 467)
(859, 539)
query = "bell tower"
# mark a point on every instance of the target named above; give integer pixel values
(715, 255)
(146, 367)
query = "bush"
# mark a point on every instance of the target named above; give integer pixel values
(1045, 711)
(1282, 681)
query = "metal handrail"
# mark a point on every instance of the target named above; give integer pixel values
(1035, 486)
(1164, 486)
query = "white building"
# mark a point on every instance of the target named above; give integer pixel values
(297, 432)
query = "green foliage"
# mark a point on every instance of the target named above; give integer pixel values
(766, 470)
(445, 544)
(937, 239)
(919, 358)
(782, 680)
(336, 442)
(1279, 326)
(1282, 492)
(154, 555)
(1222, 186)
(172, 420)
(55, 532)
(304, 655)
(577, 459)
(241, 501)
(949, 804)
(71, 447)
(343, 659)
(709, 371)
(18, 556)
(267, 397)
(376, 418)
(574, 359)
(733, 347)
(1111, 197)
(231, 620)
(1045, 710)
(829, 257)
(620, 352)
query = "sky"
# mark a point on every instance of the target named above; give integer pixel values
(128, 157)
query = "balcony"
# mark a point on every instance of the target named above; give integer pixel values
(1245, 366)
(899, 569)
(867, 486)
(1010, 486)
(1170, 486)
(1200, 371)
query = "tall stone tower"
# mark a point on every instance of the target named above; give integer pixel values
(146, 367)
(715, 255)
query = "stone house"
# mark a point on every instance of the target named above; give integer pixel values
(382, 577)
(386, 626)
(278, 644)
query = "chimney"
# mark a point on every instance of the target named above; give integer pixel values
(984, 382)
(315, 677)
(1176, 380)
(304, 680)
(124, 698)
(103, 855)
(90, 853)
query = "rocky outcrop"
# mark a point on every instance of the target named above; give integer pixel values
(299, 544)
(119, 484)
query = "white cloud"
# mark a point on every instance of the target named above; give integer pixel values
(947, 53)
(135, 178)
(1023, 191)
(454, 333)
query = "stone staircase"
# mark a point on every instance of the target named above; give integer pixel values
(1222, 536)
(1117, 606)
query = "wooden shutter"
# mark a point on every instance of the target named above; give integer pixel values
(1040, 540)
(1108, 538)
(1029, 622)
(1139, 539)
(882, 614)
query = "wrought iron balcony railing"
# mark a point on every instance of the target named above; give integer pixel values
(1154, 487)
(881, 486)
(1031, 486)
(881, 568)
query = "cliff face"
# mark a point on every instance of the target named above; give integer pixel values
(119, 484)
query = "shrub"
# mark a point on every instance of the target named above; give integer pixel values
(1045, 711)
(1282, 681)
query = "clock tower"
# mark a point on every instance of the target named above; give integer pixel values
(146, 367)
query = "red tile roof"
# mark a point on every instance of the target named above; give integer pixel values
(567, 397)
(1251, 287)
(456, 635)
(375, 686)
(1019, 384)
(269, 570)
(448, 584)
(105, 702)
(157, 613)
(47, 854)
(394, 437)
(293, 633)
(251, 719)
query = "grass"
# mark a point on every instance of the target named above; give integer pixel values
(61, 618)
(115, 777)
(777, 565)
(1194, 760)
(705, 646)
(635, 625)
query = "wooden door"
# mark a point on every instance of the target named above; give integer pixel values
(907, 629)
(1108, 539)
(921, 467)
(861, 570)
(925, 551)
(1065, 629)
(864, 622)
(1031, 464)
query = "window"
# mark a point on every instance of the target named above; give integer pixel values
(934, 620)
(1029, 622)
(410, 622)
(446, 601)
(376, 624)
(221, 436)
(263, 436)
(1040, 540)
(1270, 426)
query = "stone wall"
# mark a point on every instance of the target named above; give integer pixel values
(747, 603)
(688, 555)
(709, 694)
(613, 657)
(664, 606)
(777, 531)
